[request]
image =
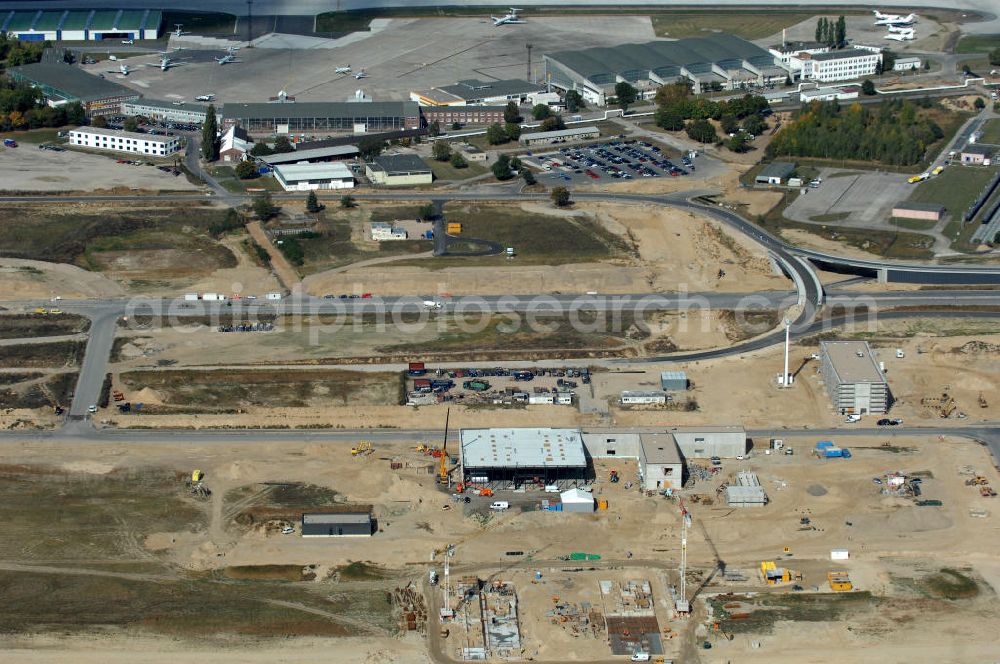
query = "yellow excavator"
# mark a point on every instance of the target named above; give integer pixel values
(362, 448)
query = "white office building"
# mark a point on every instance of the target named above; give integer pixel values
(303, 177)
(847, 65)
(124, 141)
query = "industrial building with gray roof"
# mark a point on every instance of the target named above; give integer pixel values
(286, 118)
(66, 83)
(512, 457)
(722, 59)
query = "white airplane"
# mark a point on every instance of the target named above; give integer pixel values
(510, 18)
(361, 74)
(165, 63)
(901, 35)
(177, 30)
(342, 70)
(123, 70)
(208, 97)
(894, 19)
(226, 59)
(899, 28)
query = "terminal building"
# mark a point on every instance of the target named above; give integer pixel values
(718, 60)
(263, 118)
(61, 83)
(513, 458)
(166, 111)
(113, 140)
(854, 381)
(83, 25)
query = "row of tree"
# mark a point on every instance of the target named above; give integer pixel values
(893, 133)
(832, 33)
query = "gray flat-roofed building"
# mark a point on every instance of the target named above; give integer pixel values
(746, 491)
(395, 170)
(166, 111)
(305, 177)
(318, 116)
(337, 524)
(726, 59)
(660, 462)
(673, 381)
(853, 379)
(703, 442)
(574, 134)
(332, 153)
(62, 83)
(776, 172)
(512, 457)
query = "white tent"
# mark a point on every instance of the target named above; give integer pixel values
(577, 500)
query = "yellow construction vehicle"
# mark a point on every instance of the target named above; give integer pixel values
(421, 448)
(443, 467)
(41, 311)
(840, 581)
(362, 449)
(197, 476)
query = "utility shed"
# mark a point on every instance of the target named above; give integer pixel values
(706, 442)
(853, 379)
(673, 381)
(577, 500)
(337, 524)
(917, 210)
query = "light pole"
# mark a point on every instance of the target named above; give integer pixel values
(249, 23)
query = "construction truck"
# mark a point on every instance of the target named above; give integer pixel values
(473, 488)
(362, 449)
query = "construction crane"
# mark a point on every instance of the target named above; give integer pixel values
(443, 467)
(682, 605)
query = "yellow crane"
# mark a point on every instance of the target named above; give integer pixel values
(443, 467)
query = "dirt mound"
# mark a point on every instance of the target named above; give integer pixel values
(147, 395)
(978, 347)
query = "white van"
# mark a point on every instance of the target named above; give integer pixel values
(500, 505)
(851, 419)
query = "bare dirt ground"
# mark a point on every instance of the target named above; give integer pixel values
(676, 250)
(29, 280)
(31, 169)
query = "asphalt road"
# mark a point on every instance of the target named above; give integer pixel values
(95, 363)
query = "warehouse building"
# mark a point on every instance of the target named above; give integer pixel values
(463, 115)
(312, 156)
(704, 442)
(398, 170)
(85, 25)
(853, 379)
(560, 136)
(921, 211)
(473, 92)
(845, 65)
(776, 172)
(61, 83)
(977, 155)
(673, 381)
(513, 458)
(293, 118)
(718, 60)
(113, 140)
(305, 177)
(337, 524)
(166, 111)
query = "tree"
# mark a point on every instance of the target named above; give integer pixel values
(729, 123)
(98, 121)
(513, 130)
(75, 114)
(554, 123)
(263, 206)
(574, 101)
(979, 104)
(673, 93)
(312, 202)
(283, 146)
(820, 34)
(669, 118)
(540, 111)
(456, 125)
(788, 80)
(496, 135)
(560, 196)
(246, 170)
(441, 151)
(868, 87)
(511, 113)
(529, 177)
(260, 149)
(427, 211)
(370, 147)
(210, 135)
(754, 125)
(739, 143)
(626, 94)
(347, 202)
(501, 168)
(702, 131)
(434, 128)
(888, 60)
(458, 161)
(840, 32)
(131, 123)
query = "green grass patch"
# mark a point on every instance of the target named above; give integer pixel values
(443, 170)
(37, 136)
(991, 132)
(977, 43)
(913, 224)
(226, 176)
(749, 25)
(361, 571)
(200, 23)
(956, 188)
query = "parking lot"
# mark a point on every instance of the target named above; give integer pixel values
(607, 162)
(851, 198)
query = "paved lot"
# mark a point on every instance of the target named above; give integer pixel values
(618, 160)
(408, 54)
(866, 197)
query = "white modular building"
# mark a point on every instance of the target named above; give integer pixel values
(383, 230)
(124, 141)
(636, 397)
(303, 177)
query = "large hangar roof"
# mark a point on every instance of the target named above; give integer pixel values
(523, 448)
(321, 109)
(658, 54)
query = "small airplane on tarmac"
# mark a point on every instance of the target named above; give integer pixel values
(227, 59)
(361, 74)
(508, 19)
(906, 34)
(342, 70)
(165, 62)
(122, 69)
(208, 97)
(177, 30)
(894, 19)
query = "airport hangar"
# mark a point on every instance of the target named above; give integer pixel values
(62, 83)
(727, 60)
(83, 25)
(263, 118)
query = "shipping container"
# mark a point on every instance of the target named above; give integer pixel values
(417, 369)
(190, 296)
